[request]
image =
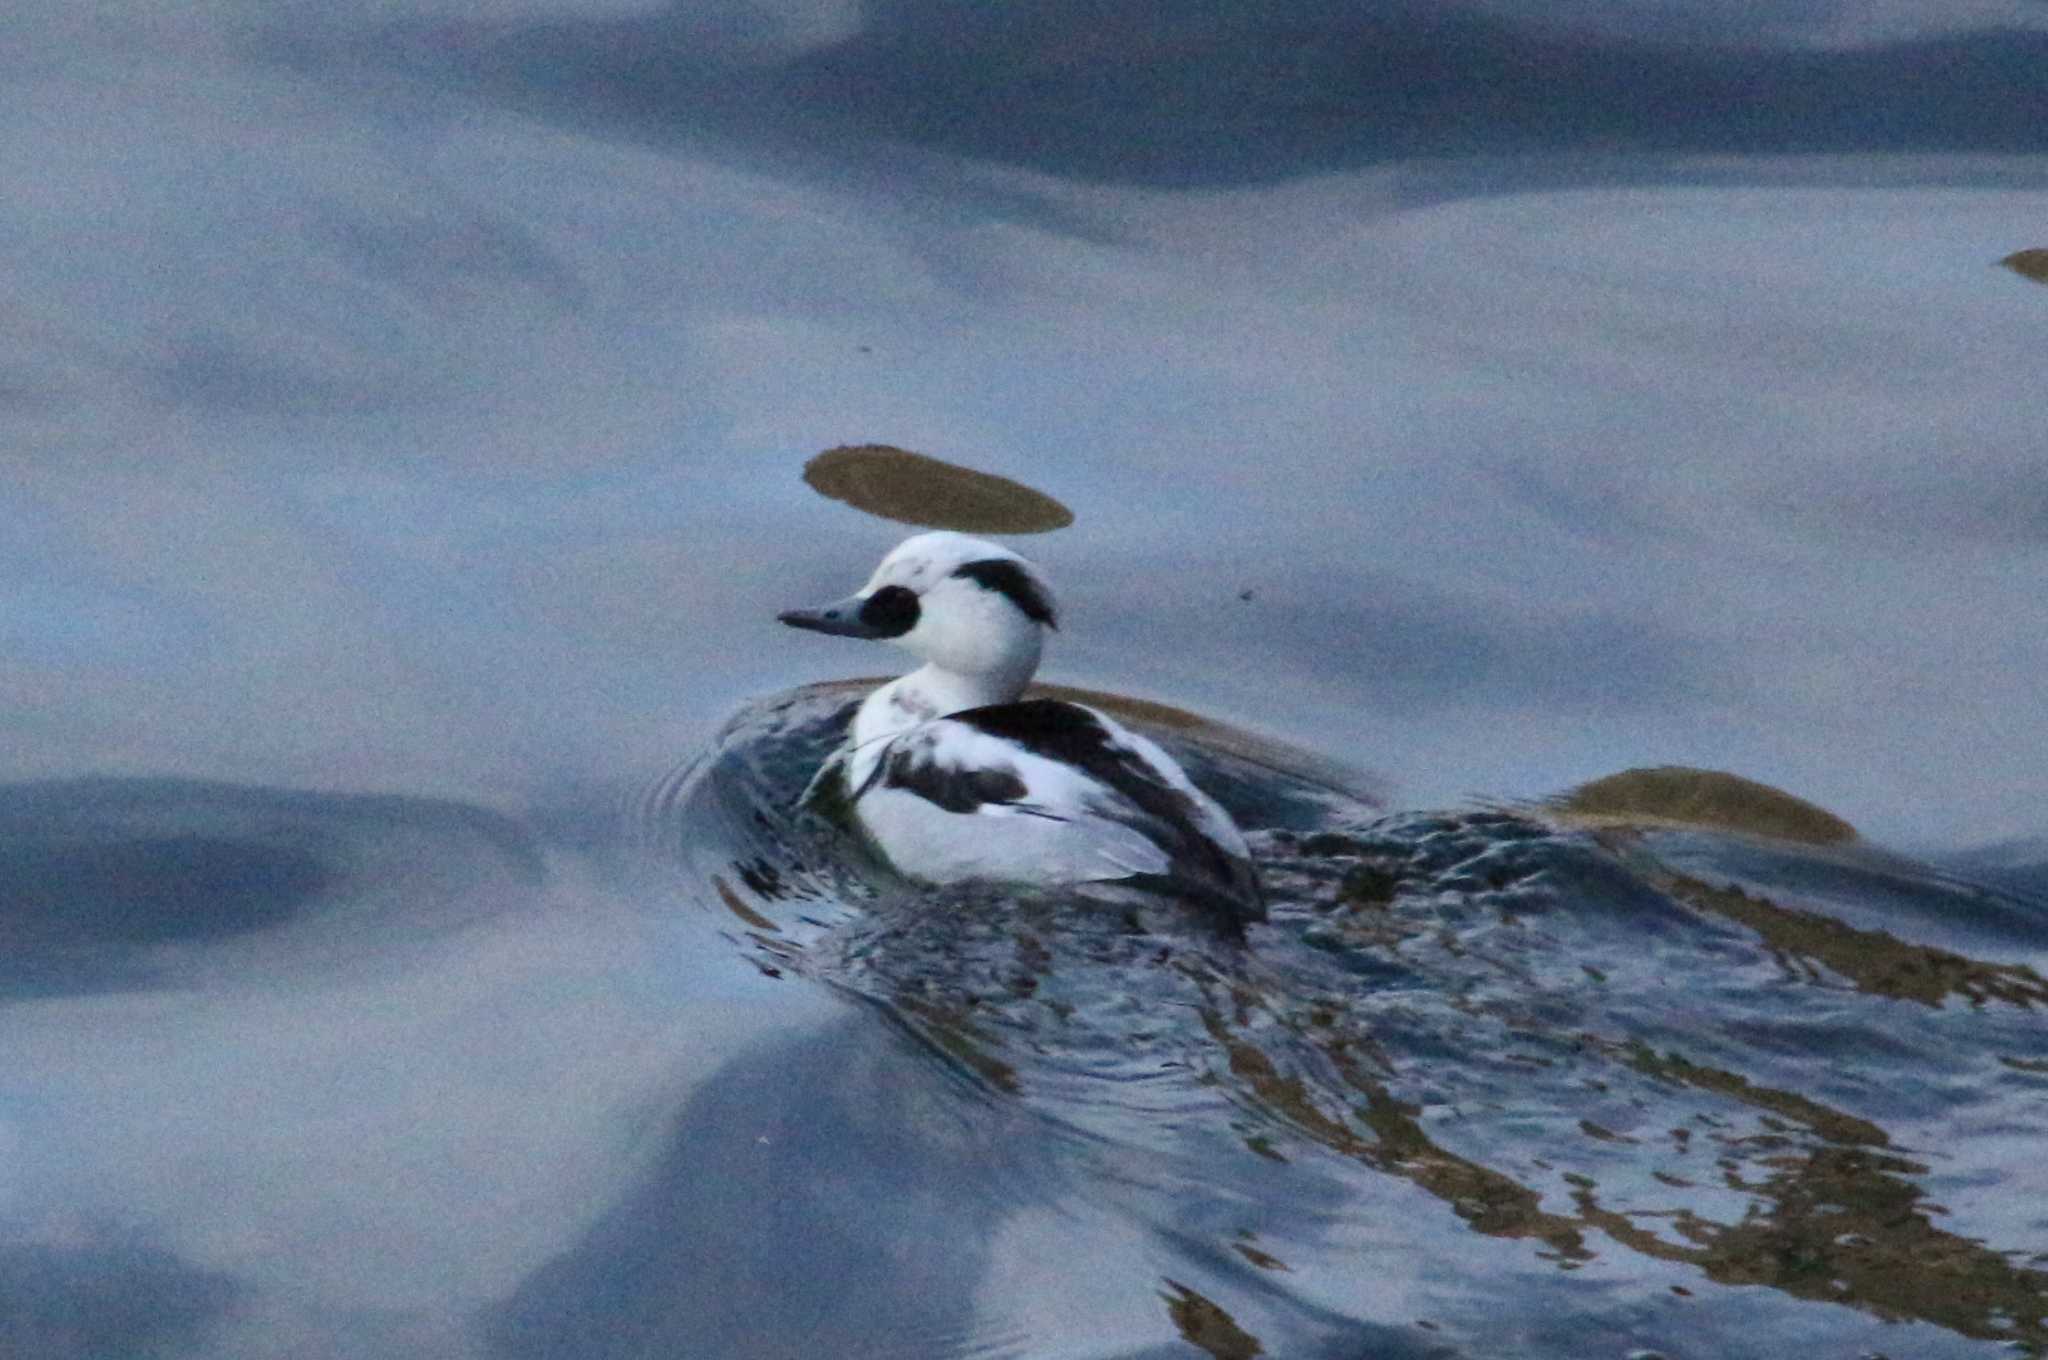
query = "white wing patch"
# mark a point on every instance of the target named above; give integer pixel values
(1045, 793)
(945, 801)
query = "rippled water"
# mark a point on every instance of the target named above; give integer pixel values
(679, 1074)
(408, 946)
(1484, 1083)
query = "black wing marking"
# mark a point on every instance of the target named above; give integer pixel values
(1071, 734)
(1074, 736)
(912, 766)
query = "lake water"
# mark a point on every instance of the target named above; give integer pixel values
(408, 946)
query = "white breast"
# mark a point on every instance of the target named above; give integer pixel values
(1043, 793)
(1049, 833)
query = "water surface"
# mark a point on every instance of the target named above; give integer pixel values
(409, 949)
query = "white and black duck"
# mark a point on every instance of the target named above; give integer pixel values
(953, 776)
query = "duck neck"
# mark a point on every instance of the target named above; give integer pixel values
(951, 691)
(930, 692)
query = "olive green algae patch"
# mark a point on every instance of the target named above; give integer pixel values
(1831, 1124)
(1454, 1001)
(1873, 961)
(1682, 796)
(739, 908)
(913, 488)
(1206, 1327)
(950, 1032)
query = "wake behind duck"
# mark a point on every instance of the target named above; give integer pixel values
(953, 776)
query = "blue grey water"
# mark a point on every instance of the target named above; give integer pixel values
(407, 946)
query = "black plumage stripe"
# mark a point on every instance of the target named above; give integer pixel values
(1074, 736)
(1009, 578)
(909, 766)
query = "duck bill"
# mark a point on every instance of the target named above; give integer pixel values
(841, 619)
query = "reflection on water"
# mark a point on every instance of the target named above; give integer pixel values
(119, 885)
(1556, 1036)
(1202, 96)
(93, 1300)
(682, 1074)
(407, 397)
(805, 1175)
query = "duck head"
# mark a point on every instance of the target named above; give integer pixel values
(964, 606)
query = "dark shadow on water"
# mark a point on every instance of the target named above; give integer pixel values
(115, 884)
(146, 890)
(1207, 95)
(819, 1196)
(837, 1194)
(1213, 94)
(104, 1301)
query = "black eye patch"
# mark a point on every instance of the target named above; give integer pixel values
(890, 611)
(1008, 578)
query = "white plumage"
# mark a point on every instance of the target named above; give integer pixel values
(953, 776)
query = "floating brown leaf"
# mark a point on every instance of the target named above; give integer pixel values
(912, 488)
(1207, 1327)
(2028, 264)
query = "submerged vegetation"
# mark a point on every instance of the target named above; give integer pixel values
(1579, 1048)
